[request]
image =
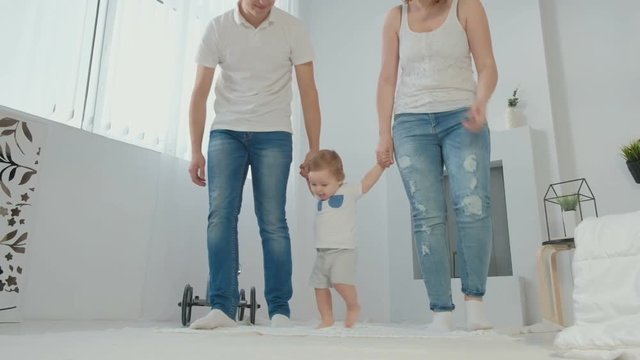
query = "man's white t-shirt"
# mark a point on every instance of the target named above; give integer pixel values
(335, 221)
(253, 89)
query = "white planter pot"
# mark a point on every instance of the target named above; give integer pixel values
(570, 220)
(513, 118)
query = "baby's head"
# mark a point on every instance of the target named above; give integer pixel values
(325, 174)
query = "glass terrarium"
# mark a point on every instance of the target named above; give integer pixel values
(566, 204)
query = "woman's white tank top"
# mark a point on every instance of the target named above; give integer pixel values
(435, 72)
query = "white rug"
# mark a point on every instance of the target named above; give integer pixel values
(362, 331)
(369, 341)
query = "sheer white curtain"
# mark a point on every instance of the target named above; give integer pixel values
(147, 70)
(46, 50)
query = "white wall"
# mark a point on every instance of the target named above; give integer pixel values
(516, 32)
(117, 232)
(592, 52)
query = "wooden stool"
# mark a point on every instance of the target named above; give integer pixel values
(550, 294)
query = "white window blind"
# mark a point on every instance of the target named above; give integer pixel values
(46, 48)
(148, 71)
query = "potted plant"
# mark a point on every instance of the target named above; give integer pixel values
(512, 116)
(568, 205)
(513, 100)
(631, 153)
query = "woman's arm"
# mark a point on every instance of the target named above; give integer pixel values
(476, 25)
(387, 84)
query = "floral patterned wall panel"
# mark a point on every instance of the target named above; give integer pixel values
(20, 145)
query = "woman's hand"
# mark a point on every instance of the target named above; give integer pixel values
(477, 117)
(384, 151)
(304, 167)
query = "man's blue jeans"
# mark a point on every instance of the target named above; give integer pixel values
(230, 155)
(423, 144)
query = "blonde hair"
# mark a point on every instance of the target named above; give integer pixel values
(327, 160)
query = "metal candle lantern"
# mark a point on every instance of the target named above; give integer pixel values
(571, 199)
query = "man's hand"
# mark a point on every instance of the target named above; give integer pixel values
(304, 167)
(196, 170)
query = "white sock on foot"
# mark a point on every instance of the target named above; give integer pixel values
(214, 319)
(442, 322)
(279, 320)
(476, 316)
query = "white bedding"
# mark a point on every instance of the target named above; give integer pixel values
(606, 296)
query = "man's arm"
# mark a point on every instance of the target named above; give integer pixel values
(310, 110)
(371, 178)
(197, 119)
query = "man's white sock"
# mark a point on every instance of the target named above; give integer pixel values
(214, 319)
(279, 320)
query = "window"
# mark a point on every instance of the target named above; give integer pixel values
(120, 68)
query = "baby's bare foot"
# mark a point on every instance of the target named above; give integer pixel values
(325, 324)
(352, 316)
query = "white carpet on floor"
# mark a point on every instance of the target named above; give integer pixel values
(362, 330)
(368, 341)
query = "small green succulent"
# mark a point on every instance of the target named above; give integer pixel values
(513, 100)
(568, 202)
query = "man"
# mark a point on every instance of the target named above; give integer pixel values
(255, 45)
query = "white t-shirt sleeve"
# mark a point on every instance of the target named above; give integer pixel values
(354, 190)
(301, 49)
(208, 54)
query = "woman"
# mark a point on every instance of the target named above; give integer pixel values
(426, 83)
